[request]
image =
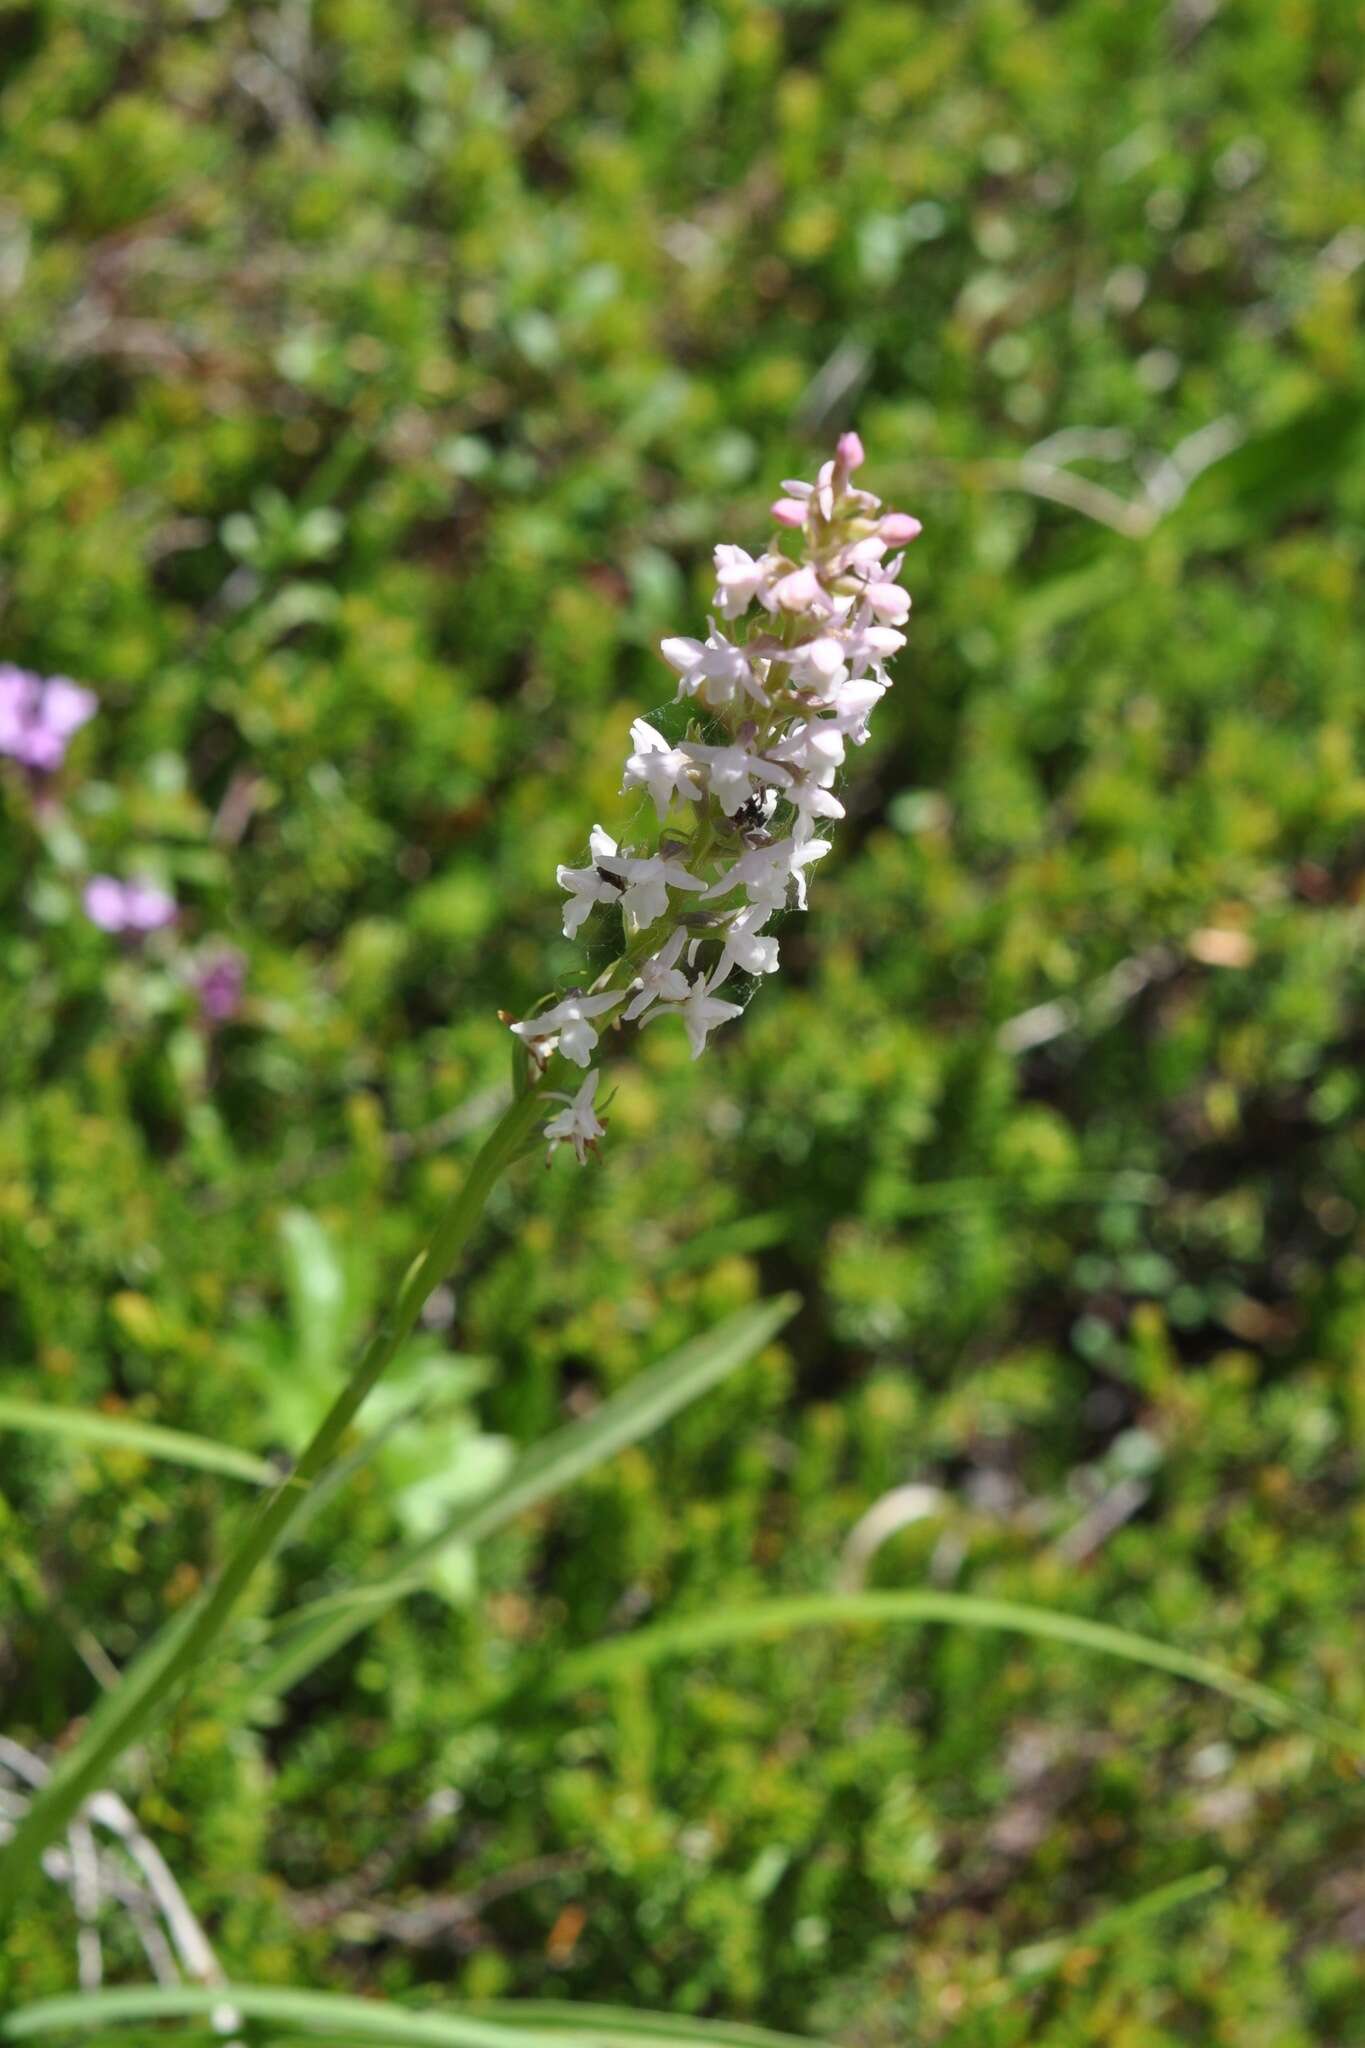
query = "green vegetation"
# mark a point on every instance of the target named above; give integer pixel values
(374, 379)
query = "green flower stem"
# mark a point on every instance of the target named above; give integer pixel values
(145, 1692)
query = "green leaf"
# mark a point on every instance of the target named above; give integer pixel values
(1271, 475)
(540, 1472)
(316, 1282)
(769, 1619)
(116, 1432)
(501, 2025)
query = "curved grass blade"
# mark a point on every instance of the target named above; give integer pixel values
(339, 2018)
(118, 1433)
(330, 2014)
(770, 1619)
(1035, 1963)
(616, 2026)
(545, 1469)
(1043, 1958)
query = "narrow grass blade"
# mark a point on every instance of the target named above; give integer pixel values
(362, 2020)
(614, 2026)
(771, 1619)
(543, 1470)
(1043, 1958)
(1039, 1960)
(330, 2014)
(120, 1433)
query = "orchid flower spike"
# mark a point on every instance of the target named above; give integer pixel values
(793, 664)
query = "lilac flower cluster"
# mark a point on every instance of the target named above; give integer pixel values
(133, 911)
(741, 796)
(38, 717)
(219, 981)
(127, 909)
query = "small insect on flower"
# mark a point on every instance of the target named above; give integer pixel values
(755, 812)
(784, 682)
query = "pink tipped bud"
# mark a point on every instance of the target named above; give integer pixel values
(789, 512)
(899, 527)
(800, 591)
(888, 601)
(849, 450)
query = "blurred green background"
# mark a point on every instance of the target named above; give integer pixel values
(375, 378)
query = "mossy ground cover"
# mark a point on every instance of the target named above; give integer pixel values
(375, 378)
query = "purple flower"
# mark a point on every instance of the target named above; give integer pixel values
(38, 717)
(218, 980)
(128, 909)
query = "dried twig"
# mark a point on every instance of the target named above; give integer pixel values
(437, 1916)
(1098, 1004)
(894, 1511)
(92, 1877)
(315, 1909)
(86, 1896)
(1164, 478)
(1109, 1513)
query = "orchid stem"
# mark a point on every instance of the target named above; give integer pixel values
(146, 1690)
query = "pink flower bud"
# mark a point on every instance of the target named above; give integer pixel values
(789, 512)
(899, 527)
(800, 591)
(888, 601)
(849, 450)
